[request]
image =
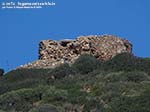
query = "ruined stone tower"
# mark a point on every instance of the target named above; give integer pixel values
(52, 53)
(102, 47)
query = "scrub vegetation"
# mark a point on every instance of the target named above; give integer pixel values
(121, 84)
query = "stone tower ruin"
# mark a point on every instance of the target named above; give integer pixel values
(53, 53)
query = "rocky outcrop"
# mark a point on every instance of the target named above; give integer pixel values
(52, 53)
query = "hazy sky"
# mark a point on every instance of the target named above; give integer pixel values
(22, 29)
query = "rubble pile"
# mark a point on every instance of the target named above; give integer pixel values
(53, 53)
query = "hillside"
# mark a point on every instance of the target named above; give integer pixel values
(121, 84)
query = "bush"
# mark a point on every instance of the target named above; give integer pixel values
(45, 108)
(1, 72)
(85, 64)
(134, 76)
(126, 62)
(92, 103)
(22, 74)
(61, 71)
(53, 95)
(139, 103)
(2, 111)
(131, 104)
(19, 100)
(22, 78)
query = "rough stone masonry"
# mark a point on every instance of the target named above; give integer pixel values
(53, 53)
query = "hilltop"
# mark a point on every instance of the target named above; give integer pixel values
(88, 84)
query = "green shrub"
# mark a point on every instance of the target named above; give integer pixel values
(85, 64)
(126, 62)
(76, 96)
(92, 103)
(131, 104)
(27, 83)
(2, 111)
(19, 100)
(61, 71)
(53, 95)
(22, 78)
(45, 108)
(139, 103)
(134, 76)
(114, 76)
(22, 74)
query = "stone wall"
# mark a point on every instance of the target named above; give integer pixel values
(102, 47)
(52, 53)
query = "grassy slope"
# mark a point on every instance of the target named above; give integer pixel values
(119, 85)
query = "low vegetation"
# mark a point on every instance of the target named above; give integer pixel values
(118, 85)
